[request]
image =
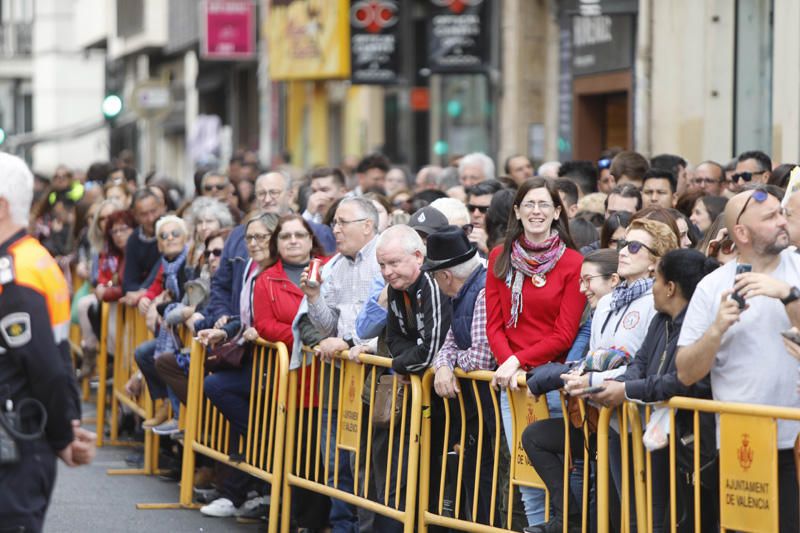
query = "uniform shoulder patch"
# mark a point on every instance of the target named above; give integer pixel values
(16, 329)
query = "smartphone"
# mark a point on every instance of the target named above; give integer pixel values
(593, 390)
(742, 268)
(792, 335)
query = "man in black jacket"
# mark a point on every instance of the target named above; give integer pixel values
(419, 313)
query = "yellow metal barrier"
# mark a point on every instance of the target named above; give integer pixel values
(131, 332)
(346, 392)
(207, 432)
(478, 399)
(102, 371)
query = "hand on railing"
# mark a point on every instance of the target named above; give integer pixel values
(210, 337)
(612, 395)
(506, 374)
(329, 347)
(445, 382)
(357, 350)
(250, 334)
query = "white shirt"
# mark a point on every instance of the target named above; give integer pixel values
(752, 364)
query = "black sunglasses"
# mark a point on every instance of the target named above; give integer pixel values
(164, 235)
(482, 208)
(746, 176)
(218, 186)
(634, 246)
(759, 195)
(216, 252)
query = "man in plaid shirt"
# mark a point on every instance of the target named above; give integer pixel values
(461, 275)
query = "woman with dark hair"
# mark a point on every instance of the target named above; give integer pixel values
(497, 216)
(717, 244)
(533, 299)
(659, 214)
(613, 229)
(653, 377)
(706, 210)
(688, 233)
(583, 232)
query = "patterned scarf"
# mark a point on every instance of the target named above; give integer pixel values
(170, 274)
(529, 258)
(624, 294)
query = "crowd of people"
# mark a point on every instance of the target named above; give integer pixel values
(617, 279)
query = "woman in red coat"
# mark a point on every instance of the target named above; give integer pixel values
(533, 300)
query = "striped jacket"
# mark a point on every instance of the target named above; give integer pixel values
(417, 325)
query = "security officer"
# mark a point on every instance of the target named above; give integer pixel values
(34, 363)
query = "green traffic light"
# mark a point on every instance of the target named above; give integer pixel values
(112, 106)
(454, 108)
(440, 147)
(2, 136)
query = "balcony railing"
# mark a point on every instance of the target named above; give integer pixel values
(16, 39)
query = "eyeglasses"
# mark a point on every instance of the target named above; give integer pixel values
(542, 206)
(584, 281)
(274, 193)
(759, 195)
(338, 222)
(257, 237)
(164, 235)
(217, 186)
(299, 235)
(634, 247)
(120, 230)
(482, 208)
(216, 252)
(726, 246)
(746, 176)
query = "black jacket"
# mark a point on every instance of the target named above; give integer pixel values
(415, 333)
(651, 376)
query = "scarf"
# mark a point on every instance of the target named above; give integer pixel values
(251, 272)
(170, 274)
(529, 258)
(624, 294)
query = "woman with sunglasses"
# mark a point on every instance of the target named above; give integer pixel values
(533, 300)
(653, 377)
(205, 216)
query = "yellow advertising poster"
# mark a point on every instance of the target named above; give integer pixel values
(347, 436)
(309, 39)
(748, 456)
(527, 410)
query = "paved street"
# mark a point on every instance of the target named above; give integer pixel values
(86, 499)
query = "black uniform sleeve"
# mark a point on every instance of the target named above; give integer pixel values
(47, 369)
(416, 355)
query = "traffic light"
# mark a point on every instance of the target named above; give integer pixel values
(2, 136)
(112, 106)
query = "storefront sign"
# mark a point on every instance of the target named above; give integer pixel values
(347, 436)
(748, 465)
(458, 35)
(309, 40)
(229, 30)
(375, 41)
(602, 44)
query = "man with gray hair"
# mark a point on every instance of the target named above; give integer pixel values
(333, 307)
(461, 275)
(475, 168)
(419, 314)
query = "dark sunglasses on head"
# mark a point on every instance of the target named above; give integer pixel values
(634, 246)
(746, 176)
(482, 208)
(164, 235)
(726, 246)
(216, 252)
(218, 186)
(759, 195)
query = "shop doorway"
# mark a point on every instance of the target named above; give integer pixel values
(602, 114)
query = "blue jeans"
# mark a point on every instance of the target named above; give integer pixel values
(229, 391)
(533, 499)
(343, 517)
(145, 355)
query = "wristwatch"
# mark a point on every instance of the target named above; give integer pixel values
(349, 340)
(794, 294)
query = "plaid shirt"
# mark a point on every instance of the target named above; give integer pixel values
(476, 357)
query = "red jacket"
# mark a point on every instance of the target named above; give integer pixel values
(275, 303)
(550, 316)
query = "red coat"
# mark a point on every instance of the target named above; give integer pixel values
(275, 303)
(550, 317)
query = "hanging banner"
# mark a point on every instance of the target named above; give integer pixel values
(309, 39)
(228, 30)
(375, 41)
(458, 36)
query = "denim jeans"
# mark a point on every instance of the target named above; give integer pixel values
(229, 391)
(145, 358)
(533, 499)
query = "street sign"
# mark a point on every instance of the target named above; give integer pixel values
(152, 99)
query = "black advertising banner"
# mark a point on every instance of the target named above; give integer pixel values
(458, 35)
(374, 41)
(602, 44)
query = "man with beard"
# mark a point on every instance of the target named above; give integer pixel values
(741, 346)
